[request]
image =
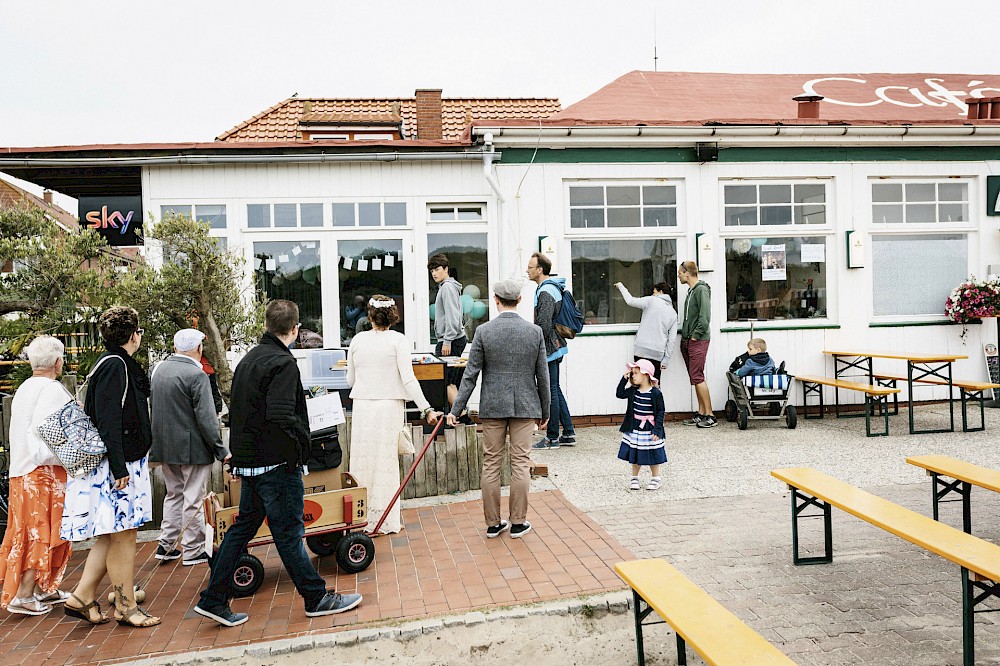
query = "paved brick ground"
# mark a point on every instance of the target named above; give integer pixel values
(441, 563)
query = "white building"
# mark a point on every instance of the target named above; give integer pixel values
(653, 169)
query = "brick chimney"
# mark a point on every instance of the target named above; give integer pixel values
(47, 197)
(808, 106)
(985, 108)
(428, 114)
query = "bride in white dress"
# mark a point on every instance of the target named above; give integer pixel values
(380, 372)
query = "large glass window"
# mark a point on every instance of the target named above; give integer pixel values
(284, 215)
(467, 257)
(615, 206)
(637, 263)
(368, 267)
(291, 270)
(774, 204)
(914, 274)
(776, 278)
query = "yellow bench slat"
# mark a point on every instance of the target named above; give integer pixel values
(853, 386)
(914, 358)
(959, 469)
(720, 637)
(963, 549)
(972, 386)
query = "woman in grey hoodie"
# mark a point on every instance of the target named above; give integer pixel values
(654, 341)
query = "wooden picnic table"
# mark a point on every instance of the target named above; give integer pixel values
(934, 368)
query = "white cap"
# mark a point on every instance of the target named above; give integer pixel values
(188, 339)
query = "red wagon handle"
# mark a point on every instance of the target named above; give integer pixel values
(409, 475)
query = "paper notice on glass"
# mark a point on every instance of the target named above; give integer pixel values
(271, 265)
(376, 264)
(390, 260)
(772, 262)
(325, 411)
(362, 264)
(256, 263)
(813, 253)
(282, 258)
(311, 245)
(348, 263)
(296, 250)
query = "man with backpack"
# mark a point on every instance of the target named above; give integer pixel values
(558, 317)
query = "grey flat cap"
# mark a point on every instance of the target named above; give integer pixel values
(508, 289)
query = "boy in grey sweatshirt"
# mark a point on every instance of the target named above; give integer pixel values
(657, 334)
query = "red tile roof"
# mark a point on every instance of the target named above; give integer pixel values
(11, 195)
(671, 98)
(281, 121)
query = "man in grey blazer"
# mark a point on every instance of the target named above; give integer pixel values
(186, 441)
(510, 352)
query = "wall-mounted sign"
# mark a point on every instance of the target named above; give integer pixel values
(855, 249)
(704, 252)
(993, 195)
(118, 219)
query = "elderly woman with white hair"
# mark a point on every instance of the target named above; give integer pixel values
(33, 557)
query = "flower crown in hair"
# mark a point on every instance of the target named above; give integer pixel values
(372, 303)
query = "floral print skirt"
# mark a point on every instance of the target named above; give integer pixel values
(32, 540)
(94, 507)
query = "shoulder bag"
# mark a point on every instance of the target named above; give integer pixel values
(72, 437)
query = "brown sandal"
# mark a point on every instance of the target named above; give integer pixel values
(127, 618)
(83, 612)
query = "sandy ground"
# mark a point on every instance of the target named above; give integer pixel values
(547, 640)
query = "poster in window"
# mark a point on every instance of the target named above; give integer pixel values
(813, 253)
(772, 262)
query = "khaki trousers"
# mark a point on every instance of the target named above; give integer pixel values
(495, 432)
(182, 508)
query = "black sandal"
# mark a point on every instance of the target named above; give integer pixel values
(126, 619)
(83, 612)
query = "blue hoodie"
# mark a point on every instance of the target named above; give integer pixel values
(548, 301)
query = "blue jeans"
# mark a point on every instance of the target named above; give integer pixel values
(278, 496)
(559, 412)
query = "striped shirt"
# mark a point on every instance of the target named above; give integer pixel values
(642, 410)
(254, 471)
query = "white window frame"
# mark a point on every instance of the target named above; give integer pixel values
(454, 206)
(734, 230)
(356, 201)
(647, 232)
(968, 227)
(298, 203)
(784, 231)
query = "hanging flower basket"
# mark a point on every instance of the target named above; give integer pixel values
(973, 300)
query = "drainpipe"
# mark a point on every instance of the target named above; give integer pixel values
(488, 156)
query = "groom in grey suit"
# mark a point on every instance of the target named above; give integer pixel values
(510, 352)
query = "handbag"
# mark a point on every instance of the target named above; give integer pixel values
(72, 437)
(404, 442)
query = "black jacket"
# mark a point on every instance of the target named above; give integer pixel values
(269, 423)
(125, 430)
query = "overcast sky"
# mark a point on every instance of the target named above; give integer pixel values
(124, 72)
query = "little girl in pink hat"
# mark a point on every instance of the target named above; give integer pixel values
(642, 428)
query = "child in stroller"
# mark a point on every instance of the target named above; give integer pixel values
(759, 389)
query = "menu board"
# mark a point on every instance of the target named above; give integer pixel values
(992, 366)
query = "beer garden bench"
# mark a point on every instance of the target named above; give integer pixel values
(964, 475)
(714, 632)
(971, 392)
(876, 397)
(979, 560)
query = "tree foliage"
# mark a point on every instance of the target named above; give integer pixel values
(57, 272)
(194, 282)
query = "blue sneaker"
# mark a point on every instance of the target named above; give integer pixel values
(224, 616)
(546, 443)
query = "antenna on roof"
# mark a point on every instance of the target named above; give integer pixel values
(654, 40)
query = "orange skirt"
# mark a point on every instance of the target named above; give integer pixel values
(32, 539)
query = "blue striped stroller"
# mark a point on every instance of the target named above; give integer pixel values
(763, 397)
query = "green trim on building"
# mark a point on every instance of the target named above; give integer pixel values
(791, 327)
(901, 324)
(784, 154)
(602, 334)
